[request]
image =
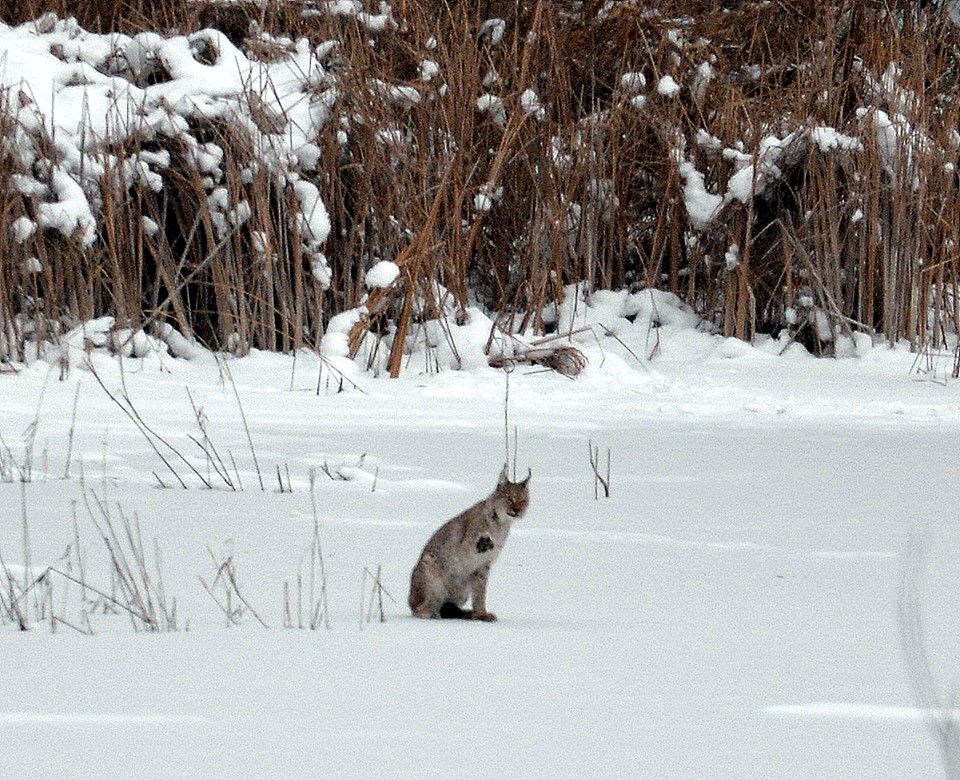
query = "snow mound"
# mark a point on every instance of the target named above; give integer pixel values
(619, 332)
(701, 205)
(96, 99)
(383, 274)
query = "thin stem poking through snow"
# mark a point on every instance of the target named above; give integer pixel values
(243, 417)
(942, 717)
(599, 479)
(73, 427)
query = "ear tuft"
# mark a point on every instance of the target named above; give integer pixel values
(529, 474)
(503, 479)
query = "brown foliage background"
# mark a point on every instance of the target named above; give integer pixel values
(591, 192)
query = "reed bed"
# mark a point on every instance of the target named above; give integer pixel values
(574, 166)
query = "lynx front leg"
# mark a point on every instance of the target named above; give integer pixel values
(478, 585)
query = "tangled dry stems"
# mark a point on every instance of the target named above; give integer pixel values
(590, 191)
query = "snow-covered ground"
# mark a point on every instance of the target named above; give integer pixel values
(729, 611)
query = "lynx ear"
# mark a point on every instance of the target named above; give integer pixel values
(504, 478)
(529, 474)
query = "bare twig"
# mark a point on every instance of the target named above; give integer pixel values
(941, 714)
(600, 480)
(243, 417)
(73, 426)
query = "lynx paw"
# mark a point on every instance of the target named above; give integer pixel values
(487, 617)
(451, 610)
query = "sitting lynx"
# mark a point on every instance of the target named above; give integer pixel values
(455, 563)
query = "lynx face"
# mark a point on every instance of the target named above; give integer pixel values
(514, 497)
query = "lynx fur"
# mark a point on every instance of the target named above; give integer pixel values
(455, 563)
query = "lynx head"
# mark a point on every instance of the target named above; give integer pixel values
(512, 498)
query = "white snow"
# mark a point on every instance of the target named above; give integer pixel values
(829, 139)
(738, 588)
(708, 141)
(129, 343)
(667, 86)
(334, 343)
(374, 23)
(320, 269)
(428, 69)
(702, 206)
(70, 214)
(382, 274)
(633, 81)
(704, 75)
(732, 257)
(176, 342)
(822, 325)
(315, 221)
(22, 228)
(531, 105)
(898, 140)
(729, 611)
(407, 97)
(492, 105)
(754, 174)
(493, 29)
(150, 227)
(482, 202)
(488, 195)
(80, 92)
(343, 7)
(834, 710)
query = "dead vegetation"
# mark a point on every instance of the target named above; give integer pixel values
(570, 168)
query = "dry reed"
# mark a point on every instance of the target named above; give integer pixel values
(507, 205)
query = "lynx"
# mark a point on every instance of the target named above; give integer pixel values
(455, 563)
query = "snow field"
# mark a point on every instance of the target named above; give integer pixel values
(730, 610)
